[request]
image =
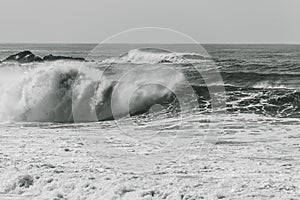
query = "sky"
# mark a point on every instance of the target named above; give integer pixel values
(207, 21)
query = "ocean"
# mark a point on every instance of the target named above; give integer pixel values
(140, 109)
(260, 79)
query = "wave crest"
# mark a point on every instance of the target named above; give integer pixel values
(155, 56)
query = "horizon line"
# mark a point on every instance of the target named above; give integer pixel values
(205, 43)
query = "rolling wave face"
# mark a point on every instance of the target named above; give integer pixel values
(143, 87)
(155, 56)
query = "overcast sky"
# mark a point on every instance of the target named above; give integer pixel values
(207, 21)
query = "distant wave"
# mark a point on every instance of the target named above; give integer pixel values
(155, 56)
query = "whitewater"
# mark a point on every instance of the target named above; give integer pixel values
(53, 92)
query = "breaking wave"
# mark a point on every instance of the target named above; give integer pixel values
(155, 56)
(71, 91)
